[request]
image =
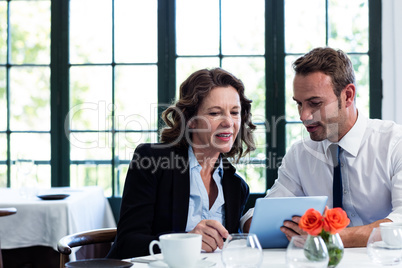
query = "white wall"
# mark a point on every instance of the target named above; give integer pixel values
(392, 60)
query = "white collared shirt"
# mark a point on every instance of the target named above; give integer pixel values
(371, 167)
(199, 201)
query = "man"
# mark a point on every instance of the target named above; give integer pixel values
(370, 151)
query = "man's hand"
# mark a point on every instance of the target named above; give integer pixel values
(246, 226)
(212, 233)
(357, 236)
(351, 237)
(291, 228)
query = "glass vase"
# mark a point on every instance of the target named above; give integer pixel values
(309, 251)
(335, 248)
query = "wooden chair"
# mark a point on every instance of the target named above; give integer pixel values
(5, 212)
(97, 236)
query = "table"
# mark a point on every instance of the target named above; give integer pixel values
(44, 222)
(5, 212)
(275, 258)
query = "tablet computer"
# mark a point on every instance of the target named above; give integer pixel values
(269, 214)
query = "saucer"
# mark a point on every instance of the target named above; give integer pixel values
(53, 196)
(98, 263)
(199, 264)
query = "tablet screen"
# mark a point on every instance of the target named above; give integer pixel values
(269, 214)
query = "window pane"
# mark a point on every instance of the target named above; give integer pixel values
(3, 147)
(260, 143)
(304, 25)
(348, 22)
(91, 98)
(30, 32)
(186, 66)
(295, 132)
(3, 160)
(3, 99)
(35, 147)
(131, 111)
(273, 124)
(90, 31)
(3, 32)
(91, 160)
(43, 173)
(30, 98)
(252, 72)
(243, 27)
(136, 31)
(361, 67)
(90, 146)
(254, 175)
(292, 114)
(197, 27)
(91, 175)
(3, 175)
(126, 142)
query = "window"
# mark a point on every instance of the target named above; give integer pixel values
(24, 92)
(113, 88)
(233, 37)
(338, 24)
(79, 90)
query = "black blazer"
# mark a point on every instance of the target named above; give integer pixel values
(156, 198)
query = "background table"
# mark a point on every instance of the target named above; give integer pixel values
(275, 258)
(43, 222)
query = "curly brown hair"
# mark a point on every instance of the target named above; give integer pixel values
(192, 93)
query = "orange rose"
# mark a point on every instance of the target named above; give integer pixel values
(335, 220)
(311, 222)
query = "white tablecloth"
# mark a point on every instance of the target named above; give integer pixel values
(275, 258)
(43, 222)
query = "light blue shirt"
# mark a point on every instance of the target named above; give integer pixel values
(199, 201)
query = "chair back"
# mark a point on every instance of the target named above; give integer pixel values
(91, 237)
(5, 212)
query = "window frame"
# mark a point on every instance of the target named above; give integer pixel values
(274, 73)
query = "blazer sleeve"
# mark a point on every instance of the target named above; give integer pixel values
(236, 192)
(245, 193)
(134, 229)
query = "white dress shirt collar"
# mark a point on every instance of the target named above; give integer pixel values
(353, 138)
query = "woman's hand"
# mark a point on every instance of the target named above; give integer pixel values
(212, 233)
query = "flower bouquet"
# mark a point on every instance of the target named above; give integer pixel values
(328, 227)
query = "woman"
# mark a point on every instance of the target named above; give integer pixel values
(186, 183)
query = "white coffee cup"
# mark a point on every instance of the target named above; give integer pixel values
(179, 250)
(391, 233)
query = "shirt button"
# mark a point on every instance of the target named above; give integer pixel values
(345, 192)
(352, 215)
(341, 164)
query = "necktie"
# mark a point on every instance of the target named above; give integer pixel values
(337, 184)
